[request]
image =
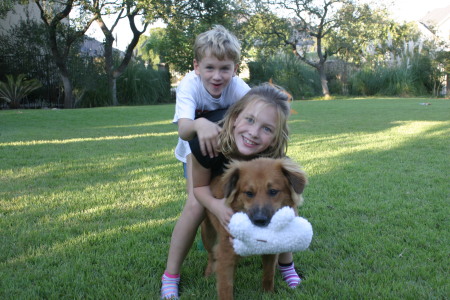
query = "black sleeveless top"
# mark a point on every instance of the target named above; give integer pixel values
(215, 164)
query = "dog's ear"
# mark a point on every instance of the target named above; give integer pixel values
(296, 177)
(230, 179)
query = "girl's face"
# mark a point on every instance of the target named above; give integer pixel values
(254, 128)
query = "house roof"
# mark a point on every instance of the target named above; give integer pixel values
(436, 17)
(93, 47)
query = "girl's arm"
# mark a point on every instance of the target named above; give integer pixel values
(201, 178)
(206, 131)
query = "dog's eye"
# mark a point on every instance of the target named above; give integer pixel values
(273, 192)
(249, 194)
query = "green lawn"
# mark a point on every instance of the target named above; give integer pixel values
(89, 197)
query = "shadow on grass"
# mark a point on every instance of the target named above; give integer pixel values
(379, 212)
(89, 215)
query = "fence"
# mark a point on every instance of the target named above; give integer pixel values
(43, 68)
(40, 67)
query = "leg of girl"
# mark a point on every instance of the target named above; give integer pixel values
(183, 236)
(287, 270)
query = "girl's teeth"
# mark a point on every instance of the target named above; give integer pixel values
(248, 141)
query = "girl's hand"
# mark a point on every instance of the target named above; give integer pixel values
(222, 212)
(208, 136)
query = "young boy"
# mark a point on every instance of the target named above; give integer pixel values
(213, 85)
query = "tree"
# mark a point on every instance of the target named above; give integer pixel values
(61, 35)
(127, 9)
(153, 48)
(6, 6)
(185, 20)
(308, 20)
(368, 34)
(258, 40)
(334, 27)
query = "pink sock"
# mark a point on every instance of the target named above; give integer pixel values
(289, 275)
(169, 289)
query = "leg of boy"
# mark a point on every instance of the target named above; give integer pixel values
(183, 237)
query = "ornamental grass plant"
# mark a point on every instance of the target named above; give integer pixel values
(13, 90)
(89, 198)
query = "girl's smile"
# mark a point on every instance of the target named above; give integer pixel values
(248, 142)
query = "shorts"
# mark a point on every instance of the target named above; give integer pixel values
(184, 170)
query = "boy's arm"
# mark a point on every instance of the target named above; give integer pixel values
(201, 178)
(206, 131)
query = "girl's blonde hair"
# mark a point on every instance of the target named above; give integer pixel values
(271, 95)
(219, 43)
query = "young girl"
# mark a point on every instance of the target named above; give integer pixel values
(255, 126)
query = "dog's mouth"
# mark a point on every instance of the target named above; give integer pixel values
(260, 216)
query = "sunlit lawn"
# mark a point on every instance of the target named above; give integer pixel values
(89, 197)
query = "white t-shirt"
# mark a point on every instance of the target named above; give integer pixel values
(192, 96)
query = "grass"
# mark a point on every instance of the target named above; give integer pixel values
(89, 198)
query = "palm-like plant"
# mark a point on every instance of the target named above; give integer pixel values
(14, 90)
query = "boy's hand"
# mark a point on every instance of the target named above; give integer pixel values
(208, 136)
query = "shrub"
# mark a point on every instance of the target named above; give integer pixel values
(138, 85)
(90, 85)
(14, 90)
(335, 86)
(93, 94)
(288, 71)
(143, 85)
(411, 77)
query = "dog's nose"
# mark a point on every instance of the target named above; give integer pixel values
(260, 219)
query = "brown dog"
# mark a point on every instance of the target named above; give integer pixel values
(259, 188)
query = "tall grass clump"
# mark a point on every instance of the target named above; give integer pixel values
(392, 70)
(301, 80)
(93, 94)
(140, 84)
(409, 78)
(90, 84)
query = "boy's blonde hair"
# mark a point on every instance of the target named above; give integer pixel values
(272, 96)
(218, 42)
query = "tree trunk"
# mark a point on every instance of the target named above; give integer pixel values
(109, 62)
(64, 74)
(115, 72)
(447, 86)
(53, 21)
(114, 91)
(68, 95)
(323, 80)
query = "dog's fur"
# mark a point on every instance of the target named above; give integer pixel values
(259, 188)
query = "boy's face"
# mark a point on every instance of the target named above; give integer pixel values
(214, 73)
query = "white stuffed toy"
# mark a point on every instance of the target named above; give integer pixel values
(285, 233)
